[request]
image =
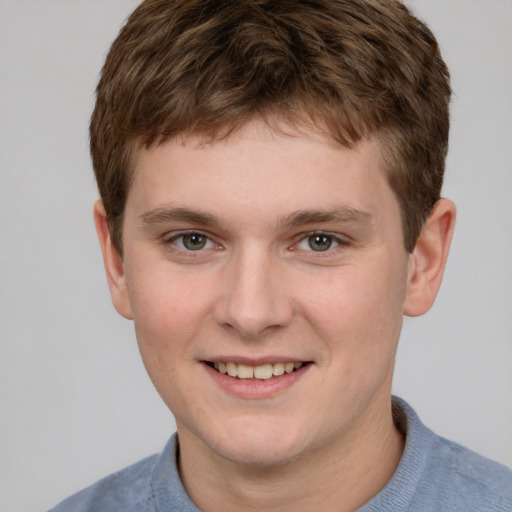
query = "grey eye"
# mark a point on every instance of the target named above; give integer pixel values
(194, 241)
(320, 242)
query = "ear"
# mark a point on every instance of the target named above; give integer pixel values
(428, 259)
(113, 263)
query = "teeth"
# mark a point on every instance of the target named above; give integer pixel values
(245, 372)
(278, 369)
(288, 367)
(261, 372)
(232, 369)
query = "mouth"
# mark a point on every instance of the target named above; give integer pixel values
(261, 372)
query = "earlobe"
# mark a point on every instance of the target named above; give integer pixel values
(428, 259)
(113, 263)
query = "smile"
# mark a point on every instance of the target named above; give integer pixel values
(261, 372)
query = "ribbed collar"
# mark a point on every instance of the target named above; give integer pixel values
(169, 495)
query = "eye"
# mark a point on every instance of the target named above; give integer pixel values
(318, 242)
(192, 241)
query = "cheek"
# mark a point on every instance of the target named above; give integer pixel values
(163, 300)
(167, 312)
(358, 310)
(166, 317)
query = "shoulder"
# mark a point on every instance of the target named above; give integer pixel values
(448, 476)
(147, 486)
(127, 490)
(463, 477)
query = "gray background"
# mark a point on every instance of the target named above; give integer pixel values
(75, 402)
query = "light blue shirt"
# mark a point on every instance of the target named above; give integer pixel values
(434, 475)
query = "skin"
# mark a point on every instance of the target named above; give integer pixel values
(260, 290)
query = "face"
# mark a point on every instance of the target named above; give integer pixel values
(280, 260)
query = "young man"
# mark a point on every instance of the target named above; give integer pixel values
(270, 177)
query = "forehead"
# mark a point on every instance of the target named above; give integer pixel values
(258, 170)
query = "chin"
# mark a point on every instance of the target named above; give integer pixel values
(259, 442)
(259, 456)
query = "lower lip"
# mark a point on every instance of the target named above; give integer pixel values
(256, 388)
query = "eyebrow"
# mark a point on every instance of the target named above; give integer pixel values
(172, 214)
(339, 214)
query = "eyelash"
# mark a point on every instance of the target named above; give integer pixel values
(173, 244)
(340, 242)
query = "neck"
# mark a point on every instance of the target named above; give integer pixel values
(342, 476)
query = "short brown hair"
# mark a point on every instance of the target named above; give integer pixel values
(356, 68)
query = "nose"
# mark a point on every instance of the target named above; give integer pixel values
(254, 301)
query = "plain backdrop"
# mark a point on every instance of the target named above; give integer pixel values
(75, 401)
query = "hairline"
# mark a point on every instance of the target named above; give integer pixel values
(277, 123)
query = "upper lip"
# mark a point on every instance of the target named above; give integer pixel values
(255, 361)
